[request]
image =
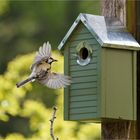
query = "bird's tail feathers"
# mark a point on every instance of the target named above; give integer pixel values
(30, 79)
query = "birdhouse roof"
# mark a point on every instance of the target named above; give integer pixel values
(106, 36)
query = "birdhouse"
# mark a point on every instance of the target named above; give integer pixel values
(101, 61)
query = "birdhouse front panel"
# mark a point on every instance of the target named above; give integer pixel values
(83, 62)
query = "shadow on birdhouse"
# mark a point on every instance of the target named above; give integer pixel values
(102, 63)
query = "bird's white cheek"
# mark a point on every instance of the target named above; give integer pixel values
(33, 80)
(49, 61)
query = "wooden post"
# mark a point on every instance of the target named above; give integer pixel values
(118, 130)
(115, 13)
(137, 27)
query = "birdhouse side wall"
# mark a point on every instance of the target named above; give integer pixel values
(82, 97)
(118, 84)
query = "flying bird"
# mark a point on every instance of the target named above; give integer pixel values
(41, 70)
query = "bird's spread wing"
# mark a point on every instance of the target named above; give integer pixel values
(43, 54)
(56, 80)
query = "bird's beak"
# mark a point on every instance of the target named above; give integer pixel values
(54, 60)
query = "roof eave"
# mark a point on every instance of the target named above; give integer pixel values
(60, 46)
(122, 46)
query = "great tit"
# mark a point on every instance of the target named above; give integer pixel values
(41, 70)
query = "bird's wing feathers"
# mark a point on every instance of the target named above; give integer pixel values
(56, 80)
(45, 50)
(43, 54)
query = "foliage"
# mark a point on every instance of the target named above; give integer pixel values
(3, 6)
(27, 24)
(25, 112)
(18, 103)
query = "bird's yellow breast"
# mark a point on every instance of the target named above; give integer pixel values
(43, 66)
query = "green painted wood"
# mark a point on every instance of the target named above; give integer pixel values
(73, 50)
(80, 29)
(73, 55)
(84, 79)
(83, 98)
(118, 90)
(80, 68)
(66, 90)
(91, 41)
(82, 73)
(83, 104)
(81, 92)
(86, 116)
(99, 82)
(83, 110)
(134, 78)
(92, 45)
(83, 85)
(103, 83)
(73, 62)
(81, 37)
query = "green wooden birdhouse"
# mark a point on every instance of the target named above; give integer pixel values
(101, 61)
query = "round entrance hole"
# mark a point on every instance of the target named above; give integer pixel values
(84, 53)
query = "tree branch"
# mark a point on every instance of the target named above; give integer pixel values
(52, 122)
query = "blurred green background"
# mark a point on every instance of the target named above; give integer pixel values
(25, 112)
